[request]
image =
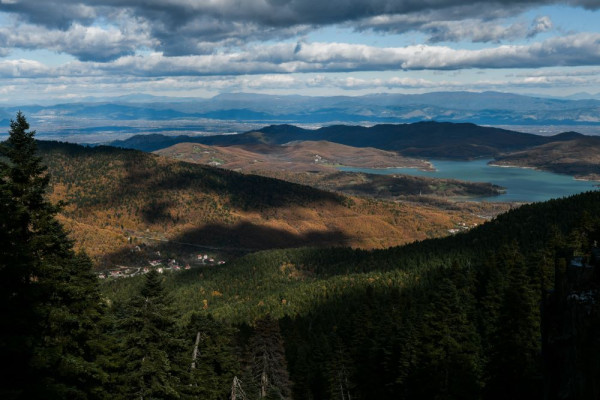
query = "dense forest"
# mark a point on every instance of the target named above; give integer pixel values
(507, 310)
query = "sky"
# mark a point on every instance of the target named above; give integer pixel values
(66, 50)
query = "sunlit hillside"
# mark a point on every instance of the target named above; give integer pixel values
(119, 196)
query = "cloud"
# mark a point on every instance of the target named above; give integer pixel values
(574, 50)
(87, 43)
(52, 13)
(540, 25)
(484, 31)
(263, 12)
(24, 69)
(73, 88)
(475, 23)
(190, 27)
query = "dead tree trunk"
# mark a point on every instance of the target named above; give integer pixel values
(236, 390)
(264, 378)
(195, 352)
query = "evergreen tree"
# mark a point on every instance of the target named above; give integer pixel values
(447, 356)
(340, 375)
(152, 353)
(50, 300)
(212, 362)
(268, 365)
(514, 364)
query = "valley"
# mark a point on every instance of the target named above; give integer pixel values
(290, 153)
(115, 196)
(224, 243)
(183, 198)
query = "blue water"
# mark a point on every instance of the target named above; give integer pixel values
(522, 184)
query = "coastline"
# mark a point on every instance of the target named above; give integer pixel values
(582, 178)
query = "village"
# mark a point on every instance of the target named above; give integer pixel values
(161, 265)
(461, 227)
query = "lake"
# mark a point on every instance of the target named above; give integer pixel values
(522, 184)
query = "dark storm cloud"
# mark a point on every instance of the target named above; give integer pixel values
(182, 27)
(173, 13)
(311, 12)
(51, 13)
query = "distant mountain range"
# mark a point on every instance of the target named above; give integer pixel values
(487, 108)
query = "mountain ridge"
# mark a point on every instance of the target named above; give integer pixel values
(578, 156)
(421, 139)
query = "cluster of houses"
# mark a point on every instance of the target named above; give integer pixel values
(161, 266)
(121, 271)
(462, 226)
(206, 259)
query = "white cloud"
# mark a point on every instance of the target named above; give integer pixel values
(23, 69)
(84, 42)
(476, 30)
(72, 88)
(574, 50)
(216, 45)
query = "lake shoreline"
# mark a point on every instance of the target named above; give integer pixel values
(521, 184)
(575, 177)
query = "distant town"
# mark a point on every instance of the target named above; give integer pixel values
(161, 265)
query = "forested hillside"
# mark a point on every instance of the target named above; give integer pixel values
(114, 194)
(458, 317)
(578, 157)
(421, 139)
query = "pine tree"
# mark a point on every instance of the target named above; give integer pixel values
(50, 299)
(212, 363)
(514, 364)
(267, 361)
(152, 353)
(339, 366)
(448, 350)
(15, 269)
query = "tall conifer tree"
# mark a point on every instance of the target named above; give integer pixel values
(153, 354)
(50, 299)
(267, 361)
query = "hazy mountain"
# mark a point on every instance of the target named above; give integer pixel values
(583, 96)
(487, 108)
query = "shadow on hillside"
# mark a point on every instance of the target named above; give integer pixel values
(157, 211)
(240, 238)
(158, 186)
(256, 237)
